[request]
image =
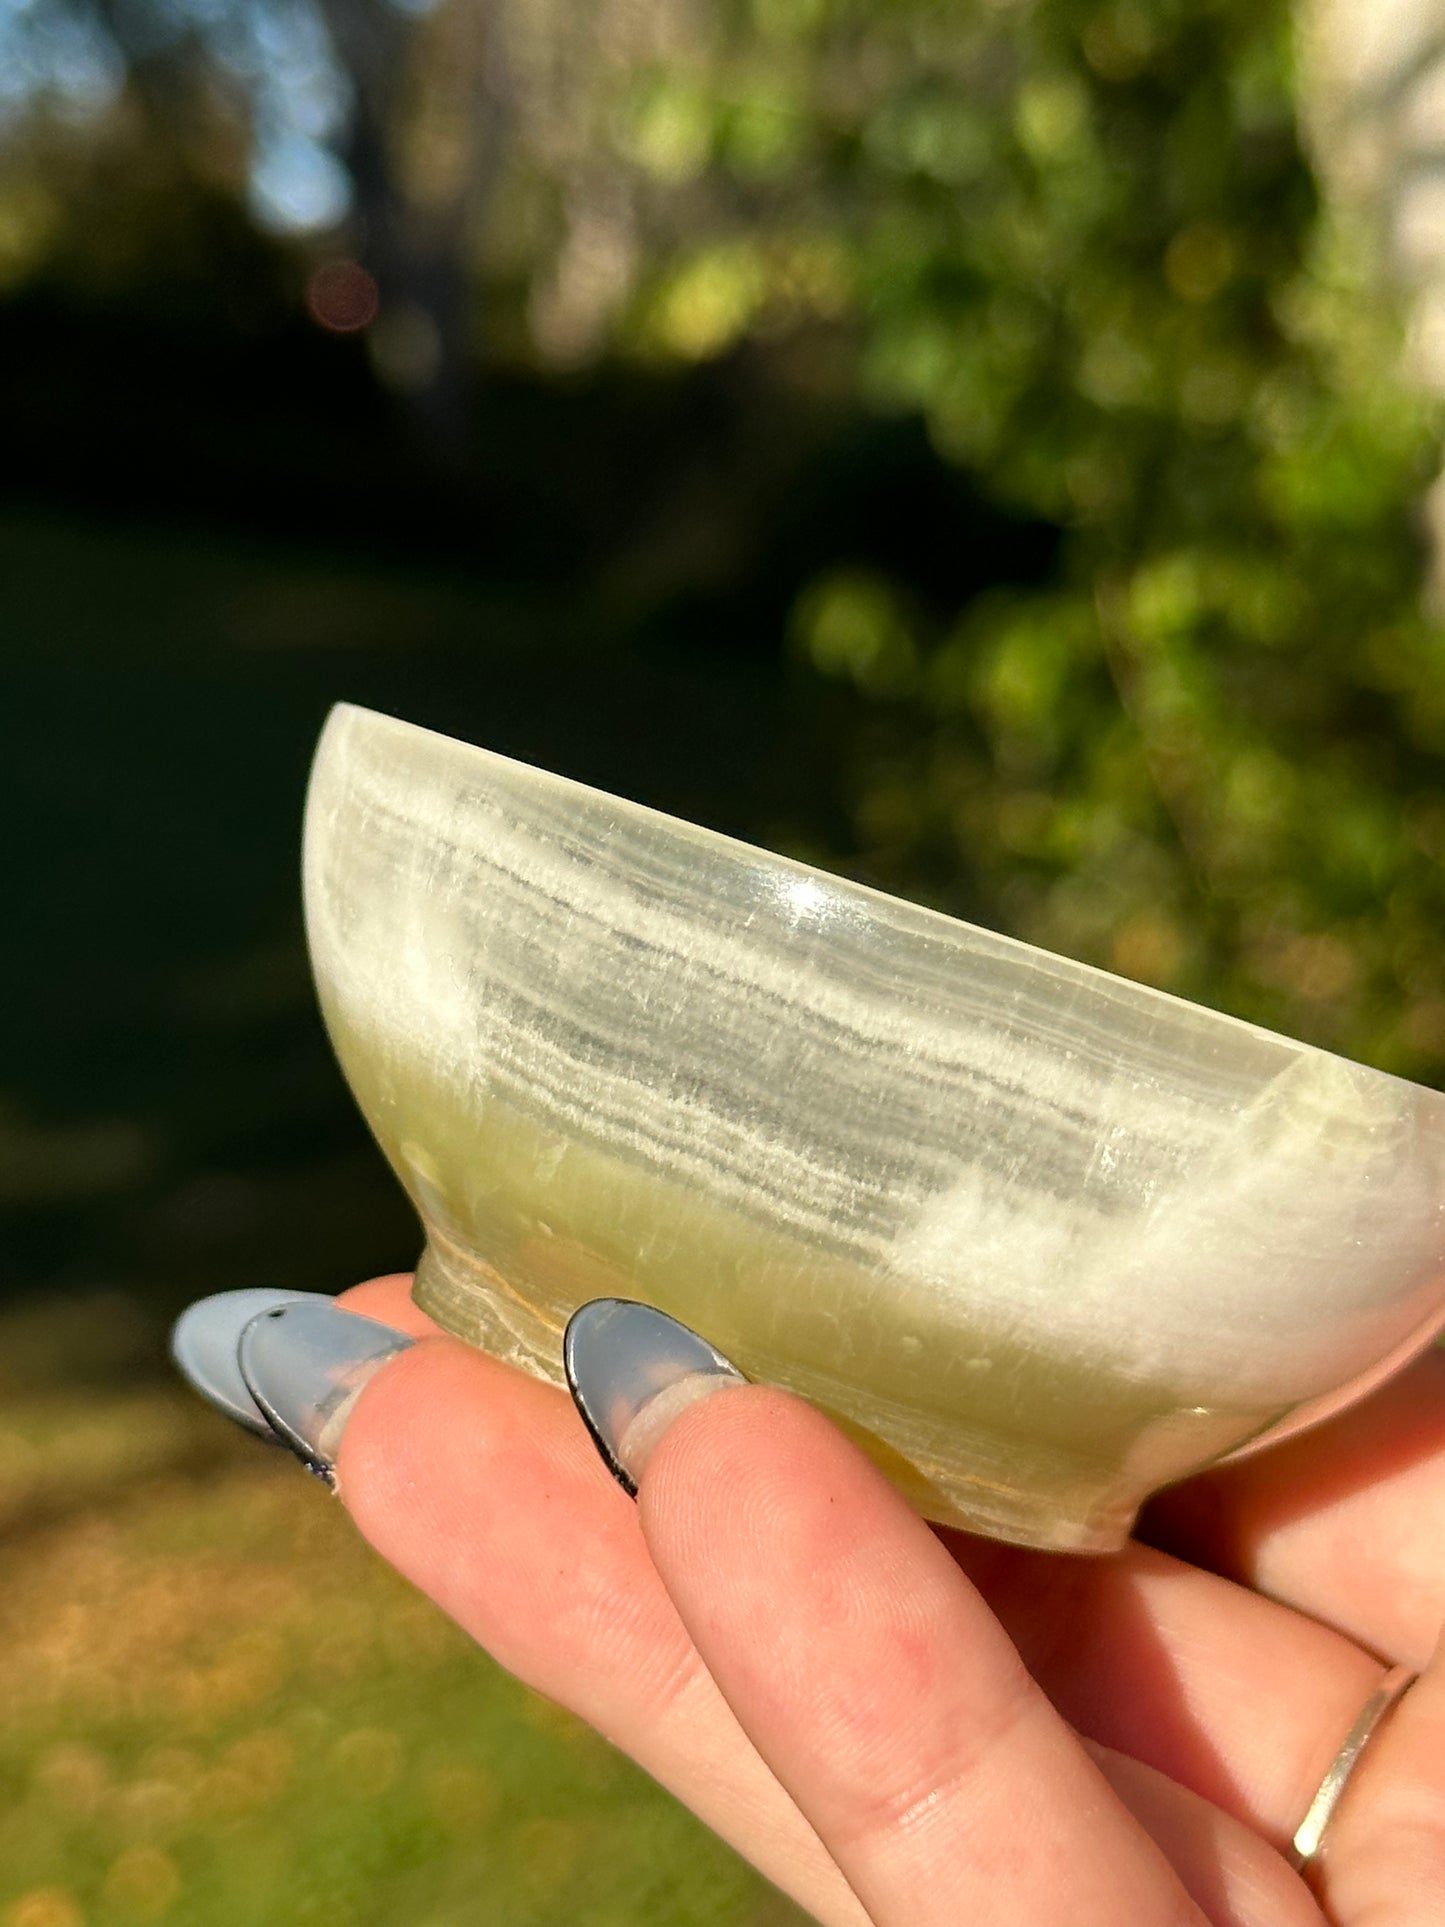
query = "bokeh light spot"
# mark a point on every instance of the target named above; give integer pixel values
(74, 1776)
(144, 1881)
(298, 186)
(342, 297)
(265, 1760)
(45, 1907)
(406, 347)
(1199, 261)
(460, 1796)
(365, 1762)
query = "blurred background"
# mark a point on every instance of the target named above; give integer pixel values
(988, 447)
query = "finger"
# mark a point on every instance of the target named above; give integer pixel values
(1230, 1695)
(389, 1300)
(1233, 1696)
(1230, 1872)
(480, 1485)
(385, 1300)
(783, 1850)
(874, 1681)
(1345, 1522)
(1383, 1859)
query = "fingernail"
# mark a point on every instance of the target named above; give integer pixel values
(305, 1364)
(204, 1342)
(631, 1371)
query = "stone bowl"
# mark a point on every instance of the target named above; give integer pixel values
(1040, 1239)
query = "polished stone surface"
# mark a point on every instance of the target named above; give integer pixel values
(1042, 1239)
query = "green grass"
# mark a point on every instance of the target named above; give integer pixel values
(221, 1710)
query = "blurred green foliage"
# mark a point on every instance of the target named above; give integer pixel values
(1082, 241)
(1077, 239)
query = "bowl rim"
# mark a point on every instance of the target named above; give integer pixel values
(346, 721)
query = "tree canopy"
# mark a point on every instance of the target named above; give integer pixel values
(1199, 739)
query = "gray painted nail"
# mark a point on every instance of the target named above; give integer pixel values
(204, 1341)
(305, 1365)
(631, 1370)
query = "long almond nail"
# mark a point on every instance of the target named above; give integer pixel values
(305, 1366)
(204, 1343)
(631, 1370)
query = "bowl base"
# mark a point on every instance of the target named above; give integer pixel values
(475, 1303)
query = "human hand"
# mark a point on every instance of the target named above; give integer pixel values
(902, 1725)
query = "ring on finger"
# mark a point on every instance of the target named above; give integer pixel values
(1310, 1834)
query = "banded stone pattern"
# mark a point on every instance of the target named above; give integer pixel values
(1000, 1141)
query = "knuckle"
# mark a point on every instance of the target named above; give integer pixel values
(909, 1792)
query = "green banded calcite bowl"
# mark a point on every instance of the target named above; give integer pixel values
(1042, 1240)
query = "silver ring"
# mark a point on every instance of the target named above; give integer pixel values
(1311, 1833)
